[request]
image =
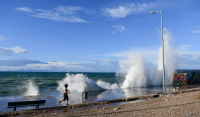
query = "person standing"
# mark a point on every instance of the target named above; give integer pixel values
(65, 96)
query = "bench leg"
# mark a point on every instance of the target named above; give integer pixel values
(37, 107)
(15, 108)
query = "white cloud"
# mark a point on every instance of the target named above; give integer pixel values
(124, 10)
(188, 60)
(119, 28)
(10, 51)
(107, 61)
(196, 31)
(61, 13)
(18, 62)
(94, 65)
(26, 9)
(119, 12)
(149, 54)
(113, 32)
(184, 47)
(2, 38)
(68, 10)
(91, 11)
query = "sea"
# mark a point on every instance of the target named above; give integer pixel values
(49, 86)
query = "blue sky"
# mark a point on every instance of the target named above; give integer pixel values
(94, 35)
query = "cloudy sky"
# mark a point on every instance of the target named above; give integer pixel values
(93, 35)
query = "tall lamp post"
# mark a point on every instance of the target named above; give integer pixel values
(162, 47)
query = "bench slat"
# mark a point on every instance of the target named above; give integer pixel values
(26, 102)
(26, 105)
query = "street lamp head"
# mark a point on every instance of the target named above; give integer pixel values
(152, 12)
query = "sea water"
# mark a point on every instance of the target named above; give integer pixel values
(23, 86)
(26, 86)
(41, 83)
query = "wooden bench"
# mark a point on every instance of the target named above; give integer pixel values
(26, 103)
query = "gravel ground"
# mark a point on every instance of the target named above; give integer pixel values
(184, 104)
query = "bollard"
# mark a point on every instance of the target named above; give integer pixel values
(85, 95)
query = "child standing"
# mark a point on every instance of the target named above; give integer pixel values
(65, 94)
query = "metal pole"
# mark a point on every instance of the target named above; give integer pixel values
(163, 54)
(162, 49)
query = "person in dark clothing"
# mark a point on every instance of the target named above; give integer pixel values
(65, 94)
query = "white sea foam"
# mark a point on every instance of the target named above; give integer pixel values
(106, 85)
(81, 83)
(139, 74)
(170, 59)
(136, 71)
(31, 89)
(78, 83)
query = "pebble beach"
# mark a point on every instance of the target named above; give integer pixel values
(183, 103)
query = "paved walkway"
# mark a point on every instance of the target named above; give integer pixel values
(185, 104)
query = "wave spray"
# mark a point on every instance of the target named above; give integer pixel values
(140, 74)
(81, 83)
(31, 89)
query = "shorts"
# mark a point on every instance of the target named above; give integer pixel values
(65, 97)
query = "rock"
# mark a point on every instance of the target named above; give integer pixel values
(117, 108)
(96, 107)
(166, 99)
(167, 96)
